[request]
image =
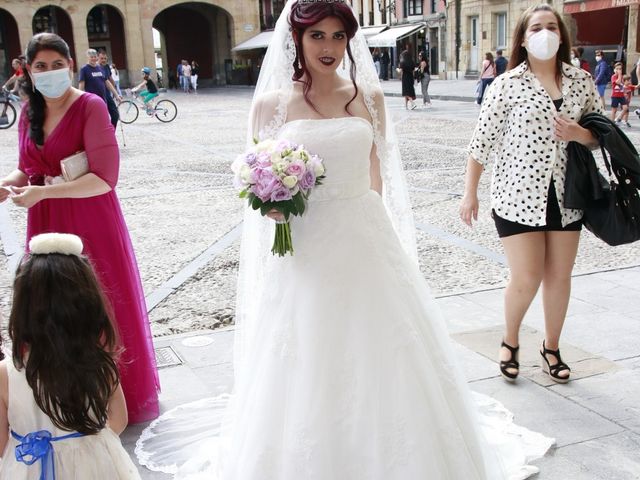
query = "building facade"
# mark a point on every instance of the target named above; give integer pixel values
(479, 26)
(609, 25)
(204, 31)
(475, 27)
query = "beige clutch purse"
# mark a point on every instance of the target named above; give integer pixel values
(74, 166)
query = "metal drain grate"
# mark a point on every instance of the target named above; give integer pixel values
(167, 357)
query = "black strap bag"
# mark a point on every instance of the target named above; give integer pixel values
(615, 218)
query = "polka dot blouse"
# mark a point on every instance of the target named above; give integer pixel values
(516, 127)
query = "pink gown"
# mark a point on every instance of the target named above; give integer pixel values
(99, 222)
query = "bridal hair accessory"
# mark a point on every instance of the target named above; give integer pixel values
(64, 243)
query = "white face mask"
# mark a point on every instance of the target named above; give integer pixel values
(52, 84)
(598, 58)
(543, 45)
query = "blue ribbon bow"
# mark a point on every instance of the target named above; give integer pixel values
(36, 446)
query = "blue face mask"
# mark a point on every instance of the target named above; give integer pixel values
(52, 84)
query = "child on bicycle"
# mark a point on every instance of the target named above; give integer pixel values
(150, 92)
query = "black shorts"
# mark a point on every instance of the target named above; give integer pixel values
(507, 228)
(618, 102)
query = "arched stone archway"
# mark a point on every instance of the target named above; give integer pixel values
(105, 30)
(196, 31)
(9, 43)
(54, 20)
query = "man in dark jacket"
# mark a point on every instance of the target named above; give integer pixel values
(601, 76)
(110, 88)
(501, 63)
(385, 59)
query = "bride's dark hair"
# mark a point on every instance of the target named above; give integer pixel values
(304, 14)
(63, 338)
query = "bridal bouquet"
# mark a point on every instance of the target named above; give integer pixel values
(278, 175)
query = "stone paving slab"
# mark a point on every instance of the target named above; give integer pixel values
(614, 396)
(607, 458)
(544, 411)
(583, 364)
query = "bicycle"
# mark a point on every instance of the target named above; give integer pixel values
(8, 115)
(164, 110)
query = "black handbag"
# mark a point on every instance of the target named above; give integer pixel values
(615, 218)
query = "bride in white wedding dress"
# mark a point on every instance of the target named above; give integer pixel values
(343, 368)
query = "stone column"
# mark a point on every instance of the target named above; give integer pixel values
(633, 36)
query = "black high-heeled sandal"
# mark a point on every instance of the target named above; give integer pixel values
(554, 370)
(512, 363)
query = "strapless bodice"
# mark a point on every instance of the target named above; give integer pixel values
(344, 144)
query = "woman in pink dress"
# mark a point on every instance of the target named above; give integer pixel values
(59, 121)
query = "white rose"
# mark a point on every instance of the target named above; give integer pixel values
(265, 146)
(318, 169)
(237, 164)
(289, 181)
(245, 173)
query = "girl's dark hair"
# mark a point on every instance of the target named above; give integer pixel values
(489, 56)
(36, 108)
(63, 337)
(519, 53)
(303, 15)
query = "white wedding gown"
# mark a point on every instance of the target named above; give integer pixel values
(353, 375)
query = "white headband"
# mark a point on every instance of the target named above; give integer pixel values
(65, 243)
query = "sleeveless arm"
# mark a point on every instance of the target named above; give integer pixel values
(374, 170)
(4, 405)
(117, 417)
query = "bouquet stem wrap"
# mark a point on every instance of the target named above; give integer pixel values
(282, 243)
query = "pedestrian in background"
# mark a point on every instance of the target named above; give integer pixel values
(195, 71)
(58, 122)
(111, 88)
(424, 78)
(406, 68)
(186, 76)
(487, 75)
(180, 77)
(618, 99)
(601, 76)
(385, 60)
(13, 83)
(63, 378)
(376, 60)
(629, 89)
(501, 63)
(115, 75)
(526, 123)
(91, 77)
(584, 65)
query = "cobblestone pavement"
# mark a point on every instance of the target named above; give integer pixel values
(184, 217)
